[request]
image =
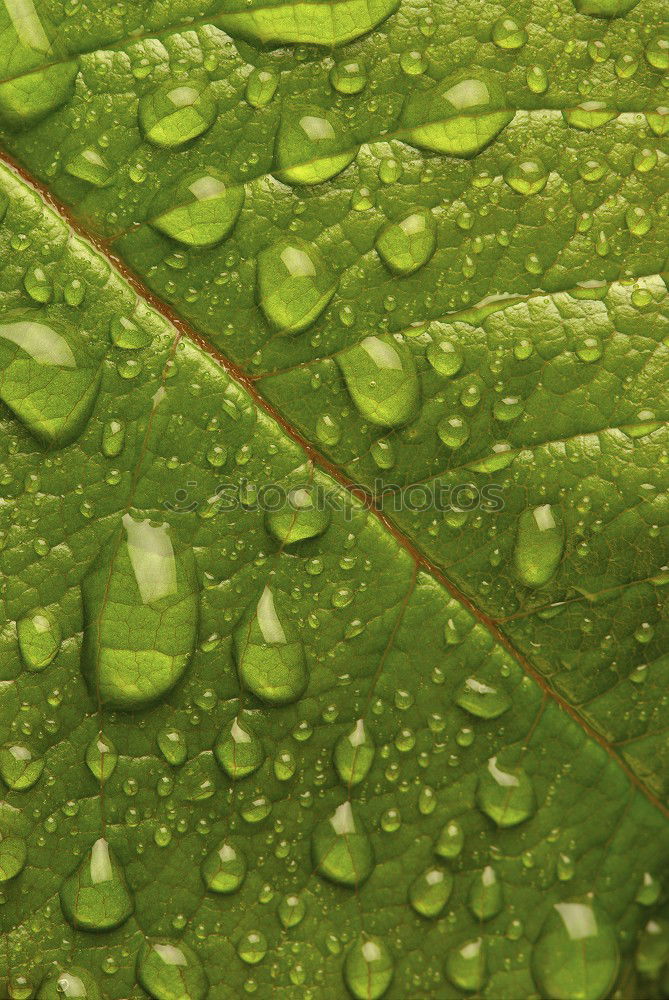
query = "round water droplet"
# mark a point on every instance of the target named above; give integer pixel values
(430, 891)
(657, 52)
(508, 34)
(507, 797)
(445, 358)
(485, 701)
(303, 514)
(201, 211)
(238, 750)
(69, 982)
(648, 892)
(539, 545)
(292, 910)
(18, 768)
(261, 87)
(466, 965)
(537, 79)
(171, 971)
(451, 840)
(96, 897)
(485, 894)
(294, 285)
(348, 77)
(341, 848)
(172, 115)
(39, 638)
(576, 954)
(224, 869)
(381, 376)
(406, 245)
(252, 947)
(269, 653)
(353, 754)
(312, 147)
(368, 968)
(526, 176)
(101, 757)
(459, 116)
(172, 745)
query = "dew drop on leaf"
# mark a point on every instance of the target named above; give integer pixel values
(381, 376)
(27, 98)
(224, 869)
(294, 285)
(445, 358)
(89, 165)
(291, 910)
(507, 797)
(526, 176)
(69, 982)
(261, 87)
(450, 841)
(238, 750)
(465, 965)
(96, 897)
(311, 148)
(202, 211)
(303, 515)
(406, 245)
(368, 968)
(483, 700)
(172, 115)
(269, 652)
(170, 971)
(18, 768)
(576, 954)
(430, 891)
(341, 848)
(589, 115)
(13, 853)
(348, 76)
(485, 894)
(172, 744)
(101, 757)
(353, 754)
(252, 947)
(39, 637)
(539, 545)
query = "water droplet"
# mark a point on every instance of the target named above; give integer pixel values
(485, 894)
(90, 166)
(39, 637)
(101, 757)
(18, 768)
(507, 34)
(445, 358)
(383, 454)
(224, 869)
(526, 176)
(380, 374)
(261, 87)
(43, 383)
(466, 965)
(126, 334)
(292, 910)
(113, 438)
(430, 891)
(341, 848)
(327, 26)
(368, 968)
(589, 349)
(353, 754)
(27, 98)
(459, 116)
(537, 79)
(311, 148)
(252, 947)
(202, 211)
(238, 750)
(13, 853)
(413, 63)
(172, 745)
(406, 245)
(71, 982)
(141, 613)
(507, 797)
(303, 515)
(328, 430)
(576, 955)
(294, 285)
(348, 77)
(451, 840)
(95, 897)
(172, 115)
(453, 431)
(482, 700)
(638, 220)
(171, 971)
(657, 52)
(539, 545)
(605, 8)
(648, 892)
(589, 115)
(269, 653)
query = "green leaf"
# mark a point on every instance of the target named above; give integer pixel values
(334, 501)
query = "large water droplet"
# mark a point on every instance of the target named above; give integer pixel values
(311, 148)
(39, 638)
(459, 116)
(171, 971)
(507, 797)
(368, 968)
(90, 166)
(353, 754)
(430, 891)
(26, 99)
(173, 114)
(69, 983)
(589, 115)
(202, 211)
(269, 653)
(485, 894)
(341, 848)
(13, 853)
(381, 376)
(48, 388)
(526, 176)
(605, 8)
(96, 897)
(18, 768)
(466, 965)
(317, 24)
(238, 750)
(482, 700)
(303, 515)
(172, 745)
(539, 545)
(406, 245)
(576, 954)
(141, 615)
(224, 869)
(261, 87)
(294, 285)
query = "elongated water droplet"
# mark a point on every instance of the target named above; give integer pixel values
(127, 334)
(341, 848)
(368, 968)
(539, 545)
(430, 891)
(311, 148)
(101, 757)
(406, 245)
(202, 211)
(261, 87)
(171, 971)
(466, 965)
(317, 25)
(48, 388)
(18, 768)
(238, 750)
(13, 853)
(459, 116)
(292, 910)
(482, 700)
(485, 894)
(589, 115)
(113, 438)
(69, 983)
(89, 165)
(507, 797)
(26, 99)
(224, 869)
(451, 840)
(303, 515)
(141, 614)
(576, 954)
(269, 653)
(172, 744)
(605, 8)
(39, 638)
(294, 285)
(353, 754)
(96, 897)
(380, 374)
(172, 114)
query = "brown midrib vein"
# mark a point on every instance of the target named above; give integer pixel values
(422, 561)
